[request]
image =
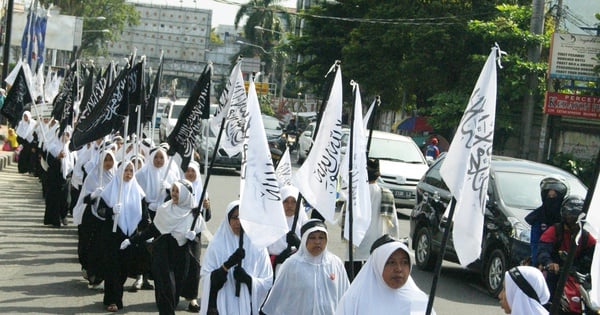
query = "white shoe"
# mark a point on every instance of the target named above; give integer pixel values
(99, 286)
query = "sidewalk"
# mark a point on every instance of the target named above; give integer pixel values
(39, 271)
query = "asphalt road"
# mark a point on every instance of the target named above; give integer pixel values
(40, 274)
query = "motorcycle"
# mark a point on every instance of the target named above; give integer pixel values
(290, 139)
(585, 285)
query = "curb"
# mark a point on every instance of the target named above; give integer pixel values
(5, 159)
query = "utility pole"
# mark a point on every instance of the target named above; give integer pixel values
(535, 51)
(549, 87)
(6, 50)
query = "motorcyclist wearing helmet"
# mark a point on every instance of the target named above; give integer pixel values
(553, 190)
(554, 247)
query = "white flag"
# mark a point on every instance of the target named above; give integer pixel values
(284, 169)
(317, 177)
(466, 168)
(261, 207)
(235, 112)
(592, 225)
(369, 113)
(361, 199)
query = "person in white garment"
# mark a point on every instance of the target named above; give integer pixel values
(288, 244)
(226, 264)
(312, 281)
(384, 284)
(383, 216)
(525, 292)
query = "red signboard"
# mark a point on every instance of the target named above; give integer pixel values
(572, 105)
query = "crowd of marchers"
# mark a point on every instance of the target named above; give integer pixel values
(139, 215)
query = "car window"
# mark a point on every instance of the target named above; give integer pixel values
(271, 124)
(176, 111)
(394, 150)
(519, 190)
(434, 178)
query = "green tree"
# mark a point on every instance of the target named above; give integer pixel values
(117, 14)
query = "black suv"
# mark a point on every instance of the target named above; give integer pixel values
(513, 191)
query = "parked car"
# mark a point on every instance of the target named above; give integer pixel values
(205, 146)
(169, 117)
(513, 191)
(304, 141)
(401, 164)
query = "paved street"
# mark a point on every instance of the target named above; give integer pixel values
(40, 274)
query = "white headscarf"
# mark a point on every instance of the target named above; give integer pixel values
(306, 284)
(62, 145)
(281, 244)
(131, 200)
(369, 294)
(256, 263)
(197, 184)
(177, 219)
(519, 302)
(92, 181)
(25, 128)
(151, 178)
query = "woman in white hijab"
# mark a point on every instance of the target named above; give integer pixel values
(172, 231)
(190, 288)
(122, 200)
(288, 244)
(85, 216)
(384, 284)
(60, 165)
(525, 292)
(25, 138)
(156, 179)
(220, 274)
(312, 281)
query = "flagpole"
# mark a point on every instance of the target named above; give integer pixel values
(157, 96)
(350, 190)
(371, 123)
(125, 131)
(560, 286)
(327, 91)
(440, 257)
(238, 283)
(206, 131)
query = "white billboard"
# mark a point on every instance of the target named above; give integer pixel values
(60, 31)
(573, 57)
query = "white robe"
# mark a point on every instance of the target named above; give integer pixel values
(380, 225)
(369, 294)
(151, 178)
(256, 263)
(306, 284)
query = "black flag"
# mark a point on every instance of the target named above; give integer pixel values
(64, 101)
(136, 96)
(85, 107)
(17, 97)
(107, 116)
(181, 140)
(154, 93)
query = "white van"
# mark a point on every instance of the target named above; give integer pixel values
(168, 118)
(401, 165)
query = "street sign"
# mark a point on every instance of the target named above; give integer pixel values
(573, 57)
(572, 105)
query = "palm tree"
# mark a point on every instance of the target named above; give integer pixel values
(265, 27)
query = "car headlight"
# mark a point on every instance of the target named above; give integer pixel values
(520, 230)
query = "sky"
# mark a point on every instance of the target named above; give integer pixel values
(222, 13)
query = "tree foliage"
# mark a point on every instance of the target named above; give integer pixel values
(117, 14)
(426, 55)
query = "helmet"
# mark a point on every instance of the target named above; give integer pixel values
(434, 140)
(571, 209)
(556, 183)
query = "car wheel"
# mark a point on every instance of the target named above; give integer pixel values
(425, 259)
(493, 272)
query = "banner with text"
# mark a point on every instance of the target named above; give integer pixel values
(572, 105)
